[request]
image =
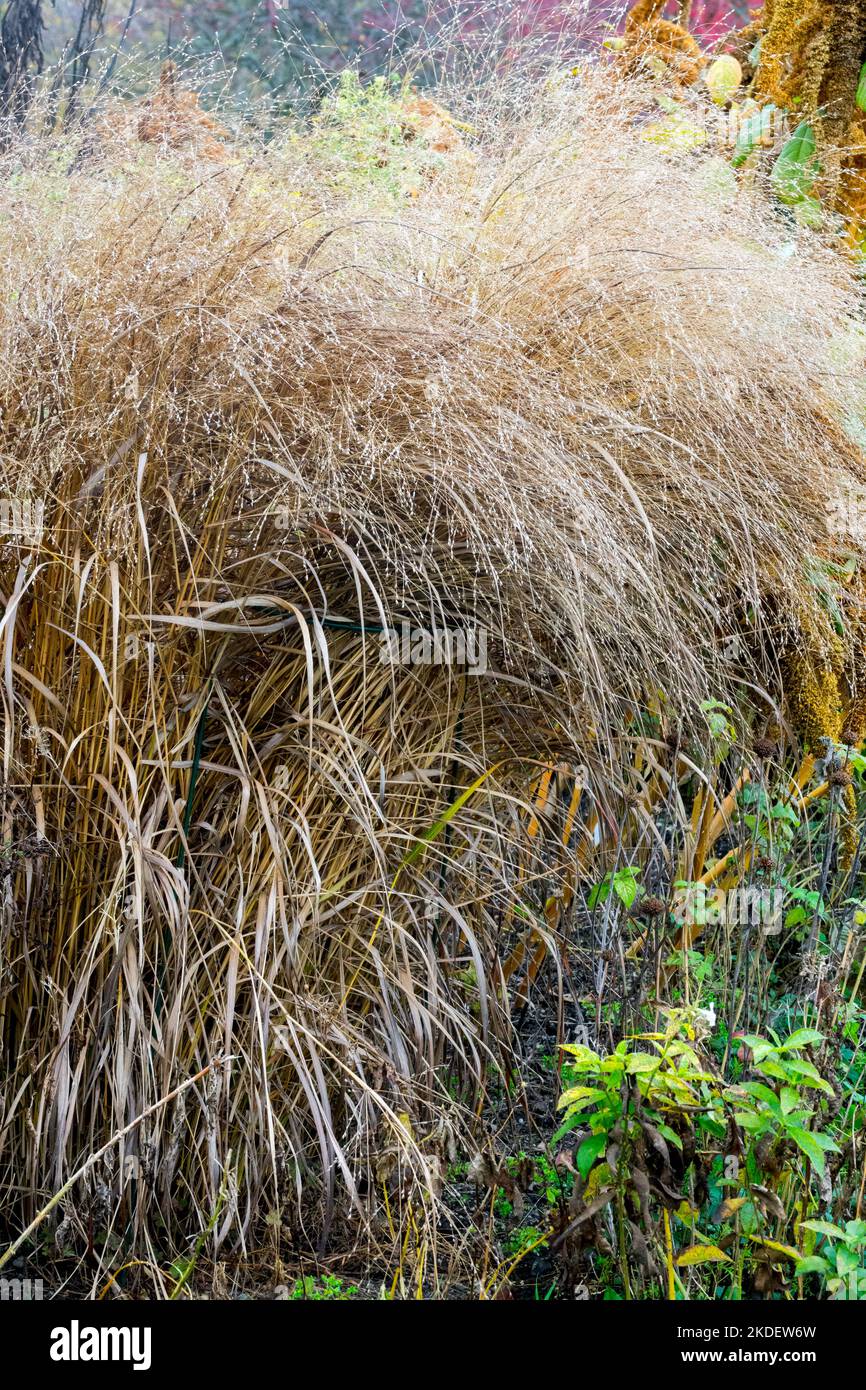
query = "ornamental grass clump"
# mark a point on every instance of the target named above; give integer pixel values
(561, 396)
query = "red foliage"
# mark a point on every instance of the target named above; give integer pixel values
(710, 20)
(713, 18)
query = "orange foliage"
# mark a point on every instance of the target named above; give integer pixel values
(173, 117)
(647, 35)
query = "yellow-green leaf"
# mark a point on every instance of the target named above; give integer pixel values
(702, 1255)
(775, 1245)
(728, 1207)
(675, 135)
(578, 1093)
(447, 815)
(723, 78)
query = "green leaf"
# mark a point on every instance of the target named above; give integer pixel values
(598, 894)
(759, 1047)
(809, 1073)
(825, 1142)
(671, 1135)
(846, 1260)
(750, 133)
(789, 1098)
(807, 1142)
(763, 1093)
(640, 1062)
(573, 1121)
(796, 168)
(813, 1264)
(625, 886)
(774, 1070)
(584, 1058)
(589, 1152)
(752, 1124)
(861, 89)
(447, 816)
(803, 1037)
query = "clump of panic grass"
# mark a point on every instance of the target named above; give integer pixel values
(251, 414)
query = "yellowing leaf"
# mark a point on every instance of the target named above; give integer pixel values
(578, 1093)
(598, 1179)
(675, 135)
(728, 1207)
(774, 1245)
(584, 1058)
(447, 816)
(702, 1255)
(641, 1062)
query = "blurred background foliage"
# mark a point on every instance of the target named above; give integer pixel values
(284, 52)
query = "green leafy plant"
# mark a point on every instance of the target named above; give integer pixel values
(523, 1239)
(623, 884)
(653, 1097)
(557, 1185)
(842, 1261)
(669, 1082)
(328, 1287)
(777, 1107)
(371, 136)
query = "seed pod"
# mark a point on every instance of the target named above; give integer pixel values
(650, 907)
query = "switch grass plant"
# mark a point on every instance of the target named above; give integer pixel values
(258, 413)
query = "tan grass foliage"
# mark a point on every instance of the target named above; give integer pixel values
(575, 397)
